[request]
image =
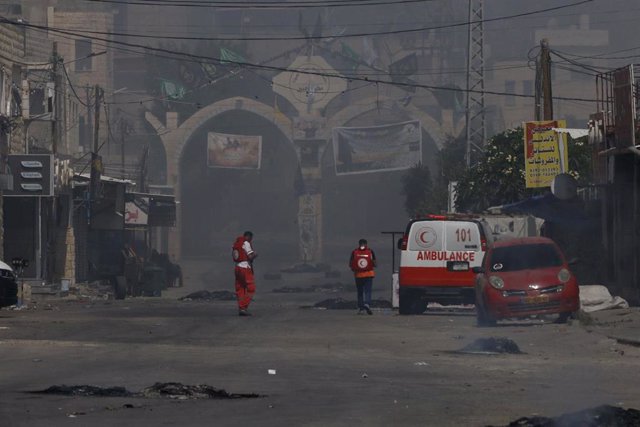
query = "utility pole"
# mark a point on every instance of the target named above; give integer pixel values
(88, 125)
(475, 117)
(544, 93)
(96, 161)
(96, 127)
(545, 61)
(55, 102)
(122, 132)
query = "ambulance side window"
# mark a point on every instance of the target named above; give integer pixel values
(426, 236)
(462, 236)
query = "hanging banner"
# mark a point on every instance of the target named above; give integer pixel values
(136, 210)
(377, 148)
(545, 152)
(234, 151)
(153, 210)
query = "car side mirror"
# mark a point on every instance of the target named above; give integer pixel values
(573, 261)
(478, 270)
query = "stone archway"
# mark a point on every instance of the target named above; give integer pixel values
(174, 136)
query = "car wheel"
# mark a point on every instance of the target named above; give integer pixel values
(482, 318)
(405, 302)
(565, 316)
(421, 306)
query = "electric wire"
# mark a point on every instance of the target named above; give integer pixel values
(201, 58)
(261, 5)
(64, 68)
(576, 63)
(339, 36)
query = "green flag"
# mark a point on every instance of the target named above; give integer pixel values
(172, 90)
(351, 54)
(228, 56)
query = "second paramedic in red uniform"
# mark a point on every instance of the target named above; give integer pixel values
(362, 263)
(243, 256)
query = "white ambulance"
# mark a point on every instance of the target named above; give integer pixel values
(437, 255)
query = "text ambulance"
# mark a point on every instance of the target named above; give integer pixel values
(436, 258)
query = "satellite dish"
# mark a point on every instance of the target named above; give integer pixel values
(564, 186)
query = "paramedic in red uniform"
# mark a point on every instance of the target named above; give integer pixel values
(243, 256)
(362, 263)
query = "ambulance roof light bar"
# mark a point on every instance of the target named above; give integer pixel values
(445, 217)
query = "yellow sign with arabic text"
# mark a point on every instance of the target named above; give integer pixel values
(545, 152)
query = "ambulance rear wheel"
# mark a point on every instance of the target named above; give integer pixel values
(411, 302)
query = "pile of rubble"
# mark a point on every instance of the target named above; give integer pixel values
(91, 291)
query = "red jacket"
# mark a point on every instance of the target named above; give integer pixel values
(362, 262)
(238, 253)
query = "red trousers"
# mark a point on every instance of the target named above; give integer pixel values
(245, 287)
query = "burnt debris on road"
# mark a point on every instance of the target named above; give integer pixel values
(342, 304)
(492, 346)
(326, 287)
(86, 390)
(601, 416)
(171, 390)
(200, 391)
(209, 296)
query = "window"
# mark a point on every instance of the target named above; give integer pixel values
(510, 87)
(83, 50)
(527, 87)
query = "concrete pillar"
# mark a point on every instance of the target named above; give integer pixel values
(173, 164)
(69, 271)
(309, 148)
(171, 147)
(310, 227)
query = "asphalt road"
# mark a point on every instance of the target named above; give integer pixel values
(332, 367)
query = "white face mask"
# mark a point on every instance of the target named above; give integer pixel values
(361, 248)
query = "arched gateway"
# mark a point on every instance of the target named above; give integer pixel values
(176, 137)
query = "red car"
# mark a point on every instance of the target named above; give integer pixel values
(525, 277)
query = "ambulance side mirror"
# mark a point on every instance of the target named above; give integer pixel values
(573, 261)
(400, 243)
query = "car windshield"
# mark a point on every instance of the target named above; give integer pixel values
(524, 257)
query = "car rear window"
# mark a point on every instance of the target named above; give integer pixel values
(524, 257)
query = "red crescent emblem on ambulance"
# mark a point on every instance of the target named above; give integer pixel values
(426, 237)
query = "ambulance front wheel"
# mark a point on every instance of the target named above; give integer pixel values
(411, 301)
